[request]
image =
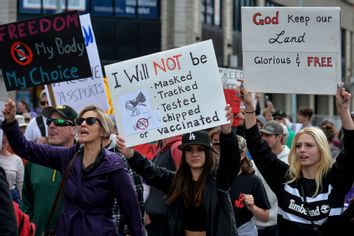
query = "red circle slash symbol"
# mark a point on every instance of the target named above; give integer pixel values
(142, 123)
(21, 53)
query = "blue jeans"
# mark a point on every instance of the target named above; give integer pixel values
(15, 195)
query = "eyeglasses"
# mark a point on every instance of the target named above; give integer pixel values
(88, 120)
(59, 122)
(43, 103)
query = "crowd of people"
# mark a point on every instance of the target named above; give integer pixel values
(72, 174)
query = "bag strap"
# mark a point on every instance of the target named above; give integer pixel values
(60, 190)
(22, 222)
(303, 198)
(41, 126)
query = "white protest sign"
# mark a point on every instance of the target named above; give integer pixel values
(231, 78)
(291, 49)
(88, 91)
(167, 94)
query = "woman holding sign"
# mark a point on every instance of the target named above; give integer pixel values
(310, 190)
(197, 195)
(92, 176)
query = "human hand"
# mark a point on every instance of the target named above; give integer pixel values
(249, 201)
(343, 99)
(127, 152)
(9, 111)
(226, 129)
(246, 98)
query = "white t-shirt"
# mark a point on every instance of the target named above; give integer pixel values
(283, 156)
(33, 132)
(14, 169)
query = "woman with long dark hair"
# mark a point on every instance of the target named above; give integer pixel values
(197, 193)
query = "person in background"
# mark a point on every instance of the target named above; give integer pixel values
(282, 118)
(8, 222)
(13, 166)
(248, 195)
(22, 107)
(37, 128)
(95, 176)
(273, 133)
(310, 190)
(41, 183)
(198, 199)
(22, 123)
(330, 131)
(304, 116)
(261, 121)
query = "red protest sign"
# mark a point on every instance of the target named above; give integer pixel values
(234, 101)
(149, 150)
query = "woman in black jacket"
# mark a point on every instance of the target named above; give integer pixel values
(199, 203)
(310, 190)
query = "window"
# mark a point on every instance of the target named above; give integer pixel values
(211, 12)
(238, 4)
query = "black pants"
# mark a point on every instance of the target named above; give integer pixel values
(158, 226)
(268, 231)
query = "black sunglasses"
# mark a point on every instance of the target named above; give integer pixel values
(59, 122)
(43, 103)
(88, 120)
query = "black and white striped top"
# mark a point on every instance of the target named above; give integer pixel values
(325, 208)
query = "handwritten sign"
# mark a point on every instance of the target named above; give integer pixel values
(231, 80)
(43, 51)
(291, 49)
(167, 94)
(82, 92)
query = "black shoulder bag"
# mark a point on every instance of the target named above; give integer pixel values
(303, 197)
(60, 190)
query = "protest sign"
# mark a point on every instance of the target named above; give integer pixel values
(43, 51)
(167, 94)
(291, 49)
(82, 92)
(231, 80)
(149, 150)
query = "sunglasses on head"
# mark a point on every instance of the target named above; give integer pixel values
(43, 103)
(88, 120)
(59, 122)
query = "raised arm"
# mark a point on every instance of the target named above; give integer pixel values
(229, 163)
(42, 154)
(272, 169)
(154, 175)
(343, 169)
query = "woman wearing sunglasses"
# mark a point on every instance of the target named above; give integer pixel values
(95, 178)
(197, 194)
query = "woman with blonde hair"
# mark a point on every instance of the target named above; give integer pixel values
(310, 190)
(92, 176)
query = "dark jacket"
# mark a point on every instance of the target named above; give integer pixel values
(8, 222)
(88, 196)
(325, 208)
(216, 197)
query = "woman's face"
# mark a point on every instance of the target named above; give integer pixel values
(307, 151)
(195, 156)
(89, 133)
